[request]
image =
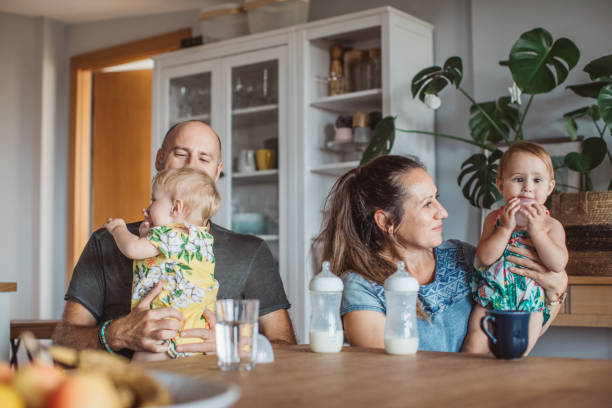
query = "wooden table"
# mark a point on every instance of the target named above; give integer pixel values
(359, 377)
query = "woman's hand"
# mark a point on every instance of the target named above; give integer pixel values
(553, 283)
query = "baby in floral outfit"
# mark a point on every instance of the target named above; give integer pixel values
(525, 179)
(176, 249)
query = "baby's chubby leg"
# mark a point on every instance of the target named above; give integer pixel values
(535, 327)
(476, 340)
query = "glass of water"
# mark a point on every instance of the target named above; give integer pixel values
(236, 331)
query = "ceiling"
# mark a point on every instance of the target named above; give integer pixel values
(82, 11)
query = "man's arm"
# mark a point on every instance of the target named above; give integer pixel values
(276, 326)
(143, 329)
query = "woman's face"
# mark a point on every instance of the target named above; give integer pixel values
(421, 226)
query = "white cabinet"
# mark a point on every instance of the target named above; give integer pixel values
(274, 85)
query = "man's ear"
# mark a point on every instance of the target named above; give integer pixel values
(178, 207)
(219, 168)
(381, 219)
(159, 160)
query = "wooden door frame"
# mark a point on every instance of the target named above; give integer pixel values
(79, 137)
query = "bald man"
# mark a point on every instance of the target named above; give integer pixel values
(100, 290)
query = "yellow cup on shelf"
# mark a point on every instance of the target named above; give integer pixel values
(265, 159)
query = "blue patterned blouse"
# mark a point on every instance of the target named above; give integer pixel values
(447, 300)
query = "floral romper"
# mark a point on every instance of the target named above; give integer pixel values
(495, 287)
(186, 263)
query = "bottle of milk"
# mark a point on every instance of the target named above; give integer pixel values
(326, 335)
(401, 334)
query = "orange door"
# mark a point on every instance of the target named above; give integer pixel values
(121, 144)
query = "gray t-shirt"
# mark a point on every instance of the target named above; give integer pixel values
(244, 268)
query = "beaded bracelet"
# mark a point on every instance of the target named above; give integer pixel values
(102, 337)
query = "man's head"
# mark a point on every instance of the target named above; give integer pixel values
(191, 144)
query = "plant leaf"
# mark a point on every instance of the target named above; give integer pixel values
(595, 149)
(604, 102)
(382, 140)
(599, 67)
(534, 54)
(577, 162)
(590, 90)
(480, 188)
(505, 115)
(571, 128)
(591, 111)
(434, 79)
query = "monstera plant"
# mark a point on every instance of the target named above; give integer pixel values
(538, 64)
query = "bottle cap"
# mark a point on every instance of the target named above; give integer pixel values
(401, 281)
(325, 281)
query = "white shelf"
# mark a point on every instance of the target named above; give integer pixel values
(367, 100)
(335, 169)
(254, 109)
(268, 237)
(260, 175)
(203, 118)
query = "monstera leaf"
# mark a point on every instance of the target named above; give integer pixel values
(480, 188)
(538, 64)
(505, 116)
(570, 119)
(433, 79)
(600, 71)
(593, 152)
(382, 140)
(604, 102)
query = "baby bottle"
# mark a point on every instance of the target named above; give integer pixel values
(521, 220)
(326, 335)
(401, 334)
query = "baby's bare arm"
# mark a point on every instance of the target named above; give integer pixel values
(492, 242)
(550, 246)
(130, 245)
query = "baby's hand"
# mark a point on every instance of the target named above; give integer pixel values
(113, 223)
(145, 226)
(507, 217)
(536, 218)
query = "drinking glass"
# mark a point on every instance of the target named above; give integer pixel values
(236, 331)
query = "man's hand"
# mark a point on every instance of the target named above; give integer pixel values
(145, 329)
(113, 223)
(209, 341)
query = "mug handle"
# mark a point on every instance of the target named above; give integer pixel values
(483, 326)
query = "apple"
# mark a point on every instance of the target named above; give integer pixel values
(9, 398)
(35, 381)
(84, 389)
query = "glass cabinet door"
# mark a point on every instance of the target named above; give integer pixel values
(190, 98)
(257, 167)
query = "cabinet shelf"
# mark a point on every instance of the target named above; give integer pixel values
(255, 115)
(269, 237)
(260, 175)
(367, 100)
(335, 169)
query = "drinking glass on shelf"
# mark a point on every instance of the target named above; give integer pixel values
(236, 332)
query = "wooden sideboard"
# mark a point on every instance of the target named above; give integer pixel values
(588, 302)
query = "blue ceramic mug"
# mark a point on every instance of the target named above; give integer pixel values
(510, 335)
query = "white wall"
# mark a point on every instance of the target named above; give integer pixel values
(32, 64)
(20, 82)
